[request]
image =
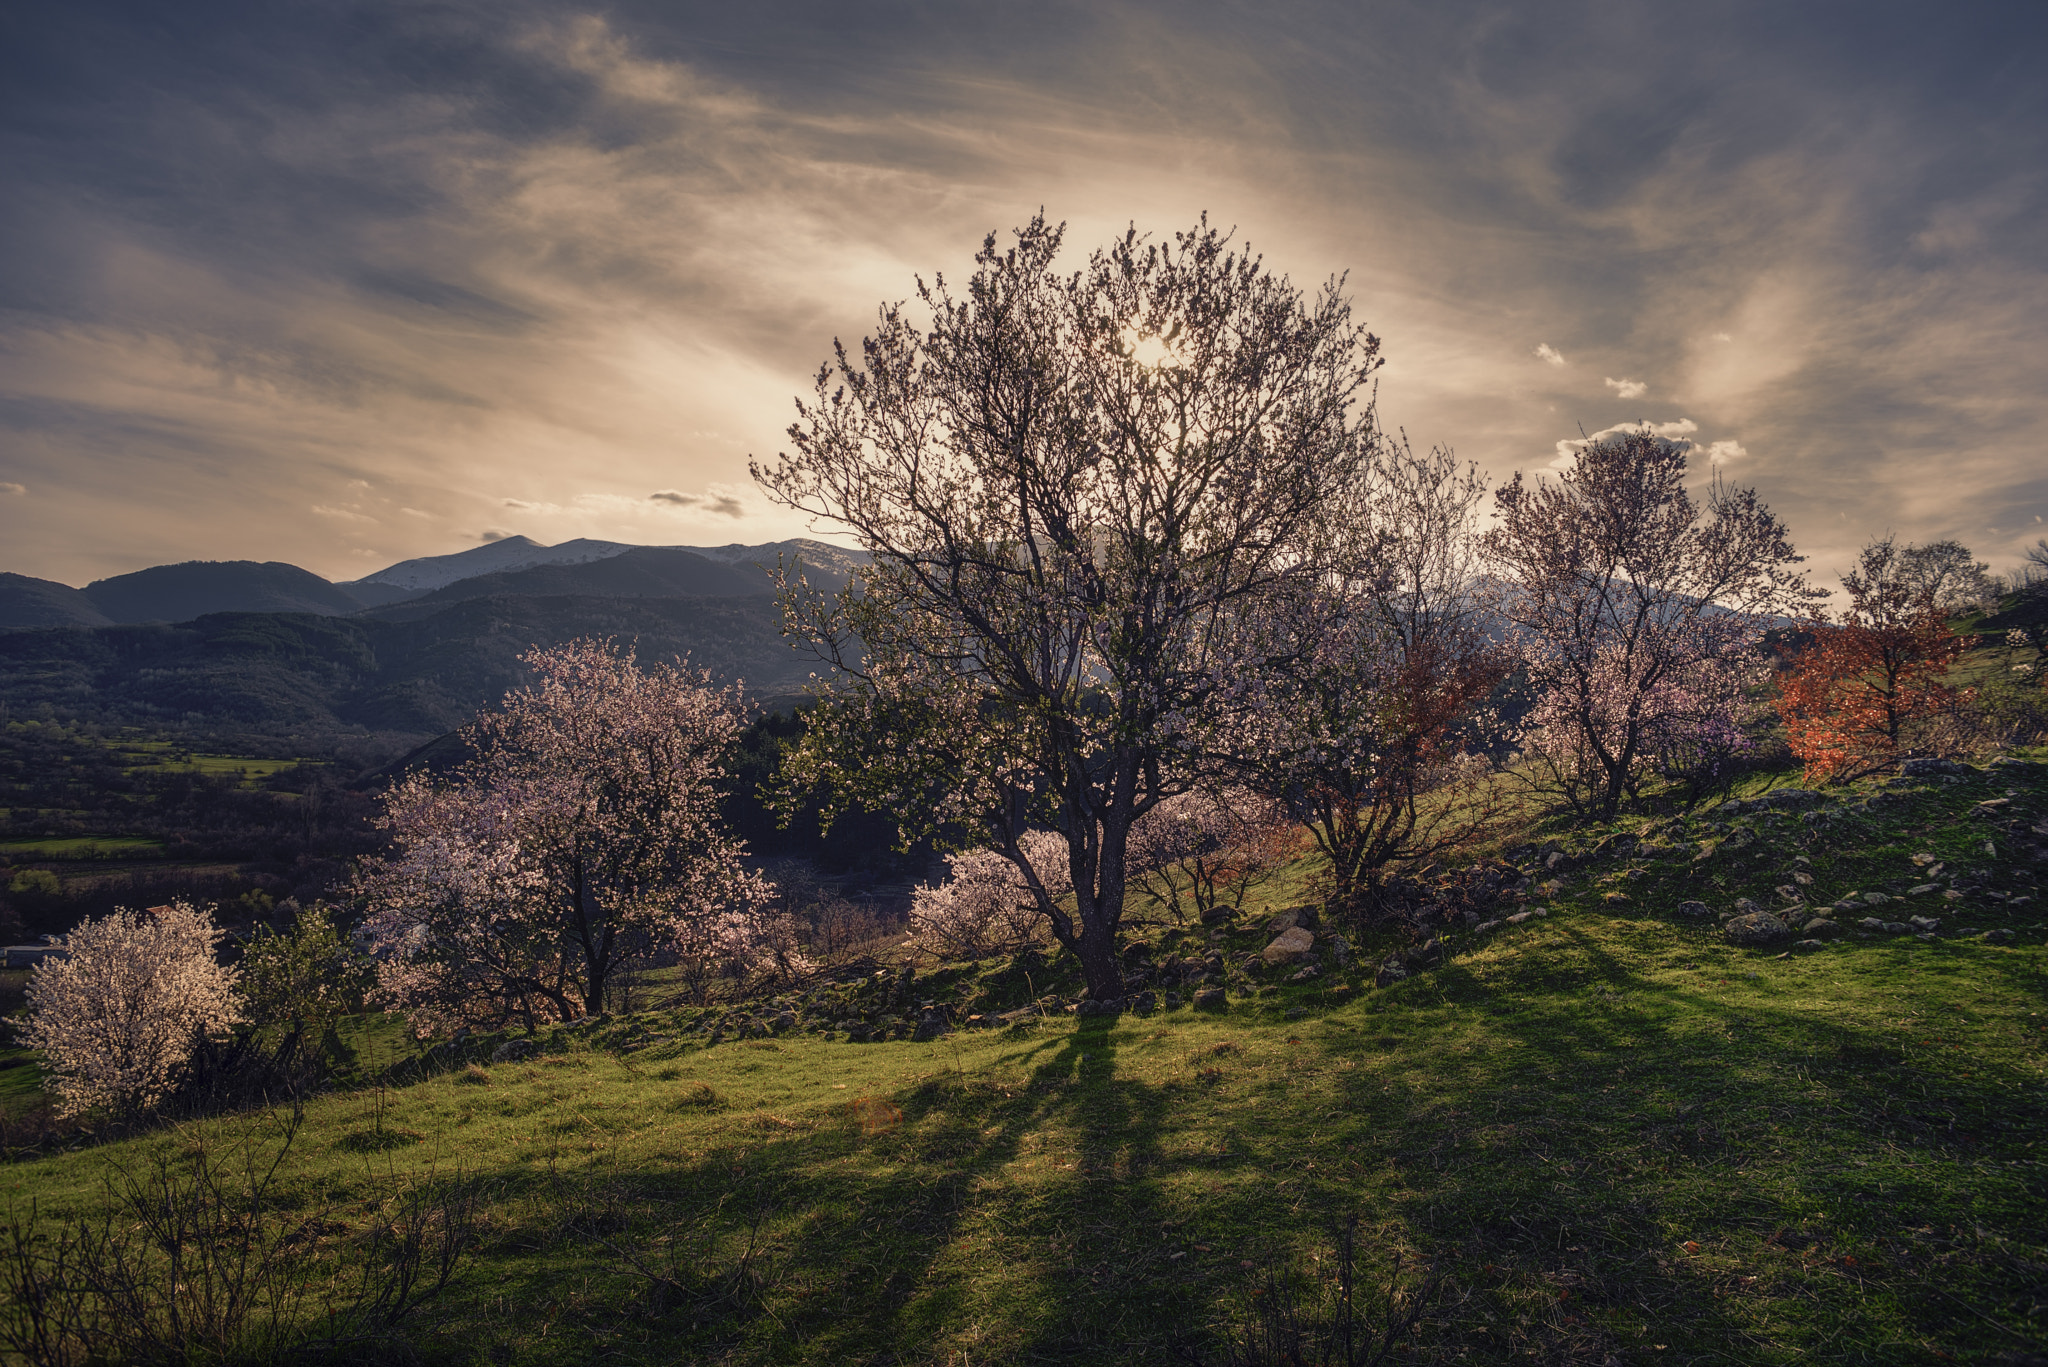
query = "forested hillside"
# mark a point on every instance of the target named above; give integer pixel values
(295, 673)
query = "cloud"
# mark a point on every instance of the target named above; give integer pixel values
(1627, 389)
(522, 505)
(724, 504)
(450, 250)
(1677, 430)
(1721, 452)
(490, 534)
(13, 490)
(342, 514)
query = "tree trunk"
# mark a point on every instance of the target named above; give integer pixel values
(1099, 964)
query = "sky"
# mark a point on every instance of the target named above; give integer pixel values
(340, 283)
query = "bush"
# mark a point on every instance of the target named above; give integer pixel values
(200, 1262)
(119, 1017)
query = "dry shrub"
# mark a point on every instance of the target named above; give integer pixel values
(195, 1259)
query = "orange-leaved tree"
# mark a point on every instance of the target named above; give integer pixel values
(1852, 700)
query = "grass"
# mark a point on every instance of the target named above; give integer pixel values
(1624, 1138)
(84, 847)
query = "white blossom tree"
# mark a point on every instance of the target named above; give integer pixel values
(1625, 596)
(117, 1018)
(590, 815)
(1077, 490)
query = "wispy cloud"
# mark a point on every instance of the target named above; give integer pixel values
(398, 261)
(13, 490)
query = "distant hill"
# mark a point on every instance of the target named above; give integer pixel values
(179, 593)
(554, 570)
(305, 673)
(504, 556)
(641, 572)
(27, 603)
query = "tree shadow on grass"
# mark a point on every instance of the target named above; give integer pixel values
(1727, 1178)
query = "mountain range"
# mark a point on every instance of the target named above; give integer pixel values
(416, 648)
(515, 564)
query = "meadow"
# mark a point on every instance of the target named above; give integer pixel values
(1608, 1134)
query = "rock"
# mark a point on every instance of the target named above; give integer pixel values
(781, 1021)
(1746, 907)
(1295, 1013)
(513, 1050)
(1756, 928)
(1808, 946)
(1997, 937)
(1340, 949)
(1789, 893)
(1390, 973)
(1613, 899)
(1696, 910)
(1426, 955)
(1896, 927)
(930, 1025)
(1210, 999)
(1217, 915)
(1171, 1001)
(1847, 905)
(858, 1032)
(1302, 917)
(1790, 797)
(1096, 1008)
(1820, 928)
(1485, 926)
(1928, 768)
(1289, 946)
(1522, 916)
(1144, 1001)
(1929, 924)
(1302, 975)
(1874, 899)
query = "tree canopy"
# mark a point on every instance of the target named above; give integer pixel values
(1082, 494)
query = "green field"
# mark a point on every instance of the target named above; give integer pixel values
(84, 847)
(1621, 1138)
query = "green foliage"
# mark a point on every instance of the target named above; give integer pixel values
(303, 980)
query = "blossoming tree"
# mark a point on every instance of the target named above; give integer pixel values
(1076, 489)
(1621, 593)
(588, 818)
(118, 1017)
(1385, 707)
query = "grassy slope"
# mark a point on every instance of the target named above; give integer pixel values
(1626, 1139)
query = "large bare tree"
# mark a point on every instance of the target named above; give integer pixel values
(1080, 491)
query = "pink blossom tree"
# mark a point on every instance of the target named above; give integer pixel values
(588, 818)
(118, 1017)
(1386, 707)
(984, 906)
(1624, 596)
(1076, 487)
(1201, 853)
